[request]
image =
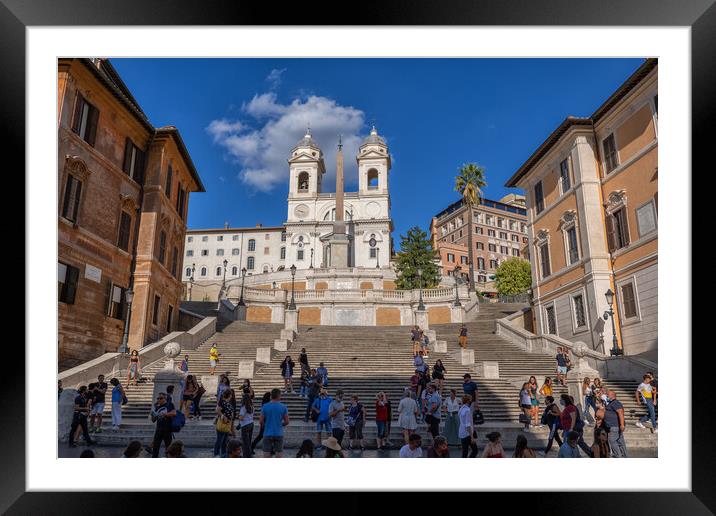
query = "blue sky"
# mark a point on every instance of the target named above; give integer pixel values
(240, 118)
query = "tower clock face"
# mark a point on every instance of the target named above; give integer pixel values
(301, 211)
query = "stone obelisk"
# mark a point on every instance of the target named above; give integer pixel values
(339, 239)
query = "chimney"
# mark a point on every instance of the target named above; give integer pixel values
(258, 225)
(226, 225)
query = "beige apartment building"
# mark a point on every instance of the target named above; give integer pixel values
(499, 232)
(592, 197)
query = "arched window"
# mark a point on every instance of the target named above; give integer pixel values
(203, 271)
(331, 215)
(372, 179)
(234, 270)
(303, 182)
(252, 245)
(265, 269)
(250, 263)
(218, 271)
(188, 272)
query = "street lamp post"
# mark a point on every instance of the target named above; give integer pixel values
(457, 299)
(421, 306)
(191, 279)
(377, 257)
(128, 296)
(292, 304)
(241, 297)
(311, 258)
(615, 351)
(223, 281)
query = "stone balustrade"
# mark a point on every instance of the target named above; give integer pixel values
(115, 364)
(605, 365)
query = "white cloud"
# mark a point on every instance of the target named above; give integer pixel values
(261, 152)
(275, 77)
(221, 128)
(264, 105)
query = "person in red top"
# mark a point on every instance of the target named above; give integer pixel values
(572, 422)
(381, 417)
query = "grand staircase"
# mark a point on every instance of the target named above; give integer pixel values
(363, 361)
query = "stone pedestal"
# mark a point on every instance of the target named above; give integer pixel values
(457, 314)
(281, 344)
(432, 336)
(465, 356)
(439, 346)
(339, 248)
(292, 320)
(170, 375)
(288, 335)
(65, 412)
(241, 313)
(210, 383)
(421, 319)
(246, 369)
(263, 355)
(490, 370)
(166, 377)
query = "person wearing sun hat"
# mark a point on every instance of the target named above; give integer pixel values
(333, 448)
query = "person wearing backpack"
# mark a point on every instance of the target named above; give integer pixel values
(551, 418)
(314, 388)
(162, 413)
(572, 422)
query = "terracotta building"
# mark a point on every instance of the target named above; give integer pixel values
(592, 196)
(499, 232)
(123, 195)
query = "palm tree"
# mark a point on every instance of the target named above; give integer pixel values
(470, 182)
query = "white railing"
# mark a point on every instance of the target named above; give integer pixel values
(368, 295)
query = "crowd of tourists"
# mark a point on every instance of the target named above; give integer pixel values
(450, 419)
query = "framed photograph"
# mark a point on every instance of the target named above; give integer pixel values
(277, 234)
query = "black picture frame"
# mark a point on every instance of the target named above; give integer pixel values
(699, 15)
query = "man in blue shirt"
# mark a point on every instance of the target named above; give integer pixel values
(614, 420)
(321, 406)
(469, 387)
(322, 373)
(274, 416)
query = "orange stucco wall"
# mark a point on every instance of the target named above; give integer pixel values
(321, 285)
(388, 285)
(439, 315)
(366, 285)
(298, 285)
(258, 314)
(309, 315)
(387, 317)
(634, 133)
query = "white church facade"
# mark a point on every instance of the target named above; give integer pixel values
(303, 240)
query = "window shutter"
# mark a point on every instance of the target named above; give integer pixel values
(108, 298)
(71, 284)
(126, 166)
(92, 125)
(68, 195)
(625, 227)
(76, 115)
(76, 209)
(611, 236)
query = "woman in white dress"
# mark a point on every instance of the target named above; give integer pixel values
(407, 413)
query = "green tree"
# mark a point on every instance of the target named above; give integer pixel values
(469, 182)
(416, 250)
(513, 277)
